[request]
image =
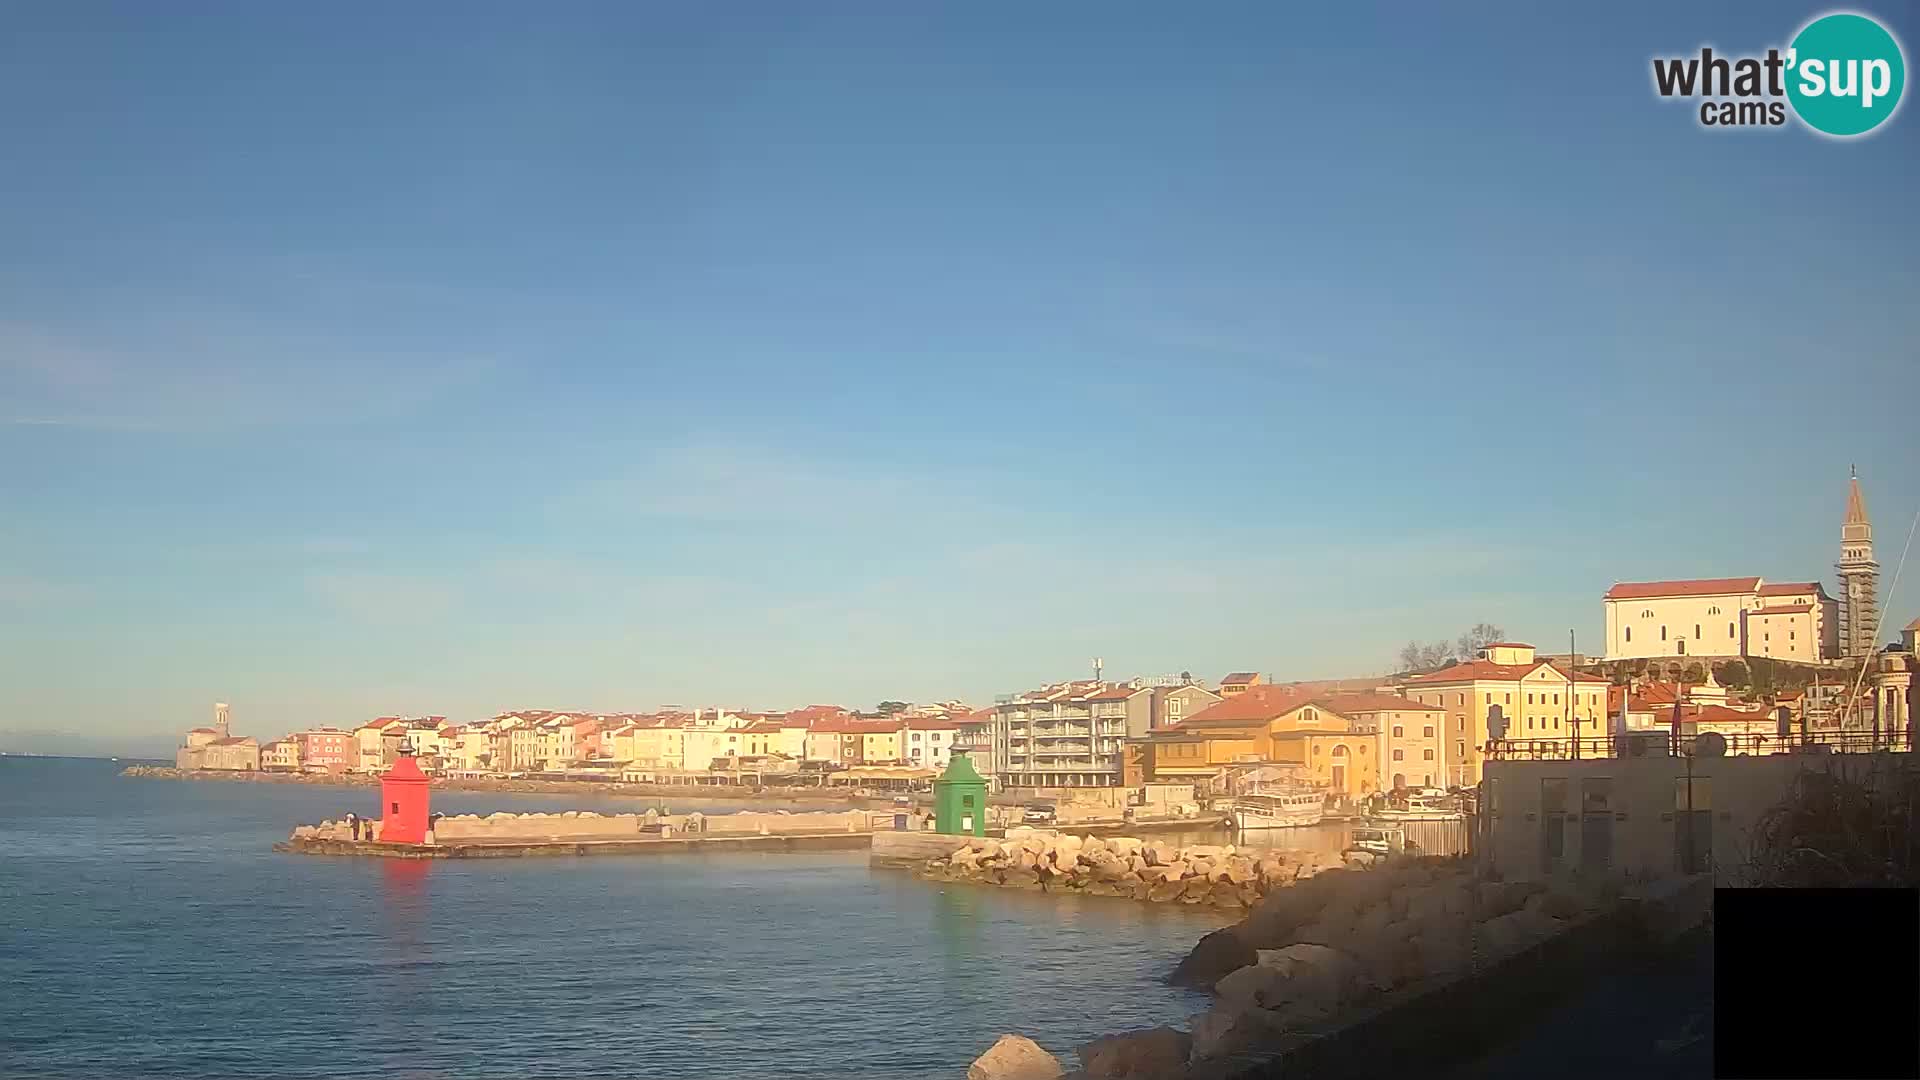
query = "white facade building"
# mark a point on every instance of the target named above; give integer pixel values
(1722, 617)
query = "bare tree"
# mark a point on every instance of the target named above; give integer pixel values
(1478, 637)
(1417, 657)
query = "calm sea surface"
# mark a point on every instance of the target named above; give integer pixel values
(148, 929)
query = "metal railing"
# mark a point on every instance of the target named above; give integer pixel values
(1661, 744)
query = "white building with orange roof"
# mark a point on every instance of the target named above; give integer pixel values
(1538, 699)
(1721, 617)
(928, 741)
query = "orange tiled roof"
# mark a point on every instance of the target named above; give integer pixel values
(1366, 701)
(1492, 672)
(934, 723)
(1648, 590)
(1791, 588)
(1257, 703)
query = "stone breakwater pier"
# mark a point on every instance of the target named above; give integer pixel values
(585, 832)
(1127, 867)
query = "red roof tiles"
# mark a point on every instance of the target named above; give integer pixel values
(1257, 703)
(1368, 702)
(1492, 672)
(1648, 590)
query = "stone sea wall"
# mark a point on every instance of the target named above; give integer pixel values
(589, 825)
(1220, 876)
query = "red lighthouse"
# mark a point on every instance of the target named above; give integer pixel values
(403, 803)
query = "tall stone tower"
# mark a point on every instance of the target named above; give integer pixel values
(220, 719)
(1859, 576)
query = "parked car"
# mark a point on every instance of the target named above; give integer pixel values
(1040, 814)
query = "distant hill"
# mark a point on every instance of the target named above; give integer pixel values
(77, 744)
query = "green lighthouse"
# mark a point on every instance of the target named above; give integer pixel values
(960, 799)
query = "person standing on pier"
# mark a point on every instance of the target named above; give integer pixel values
(353, 822)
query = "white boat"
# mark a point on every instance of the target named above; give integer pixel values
(1417, 808)
(1268, 808)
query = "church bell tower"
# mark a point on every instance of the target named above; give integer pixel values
(1859, 576)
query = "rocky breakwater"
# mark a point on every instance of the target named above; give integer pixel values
(1347, 943)
(1225, 877)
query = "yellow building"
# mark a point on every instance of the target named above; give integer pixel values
(660, 744)
(1408, 736)
(1538, 700)
(282, 755)
(1265, 724)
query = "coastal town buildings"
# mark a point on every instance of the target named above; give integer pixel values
(1538, 700)
(217, 747)
(1264, 726)
(326, 750)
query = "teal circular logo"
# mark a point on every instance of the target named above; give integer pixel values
(1845, 74)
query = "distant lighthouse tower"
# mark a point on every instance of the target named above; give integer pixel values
(1859, 576)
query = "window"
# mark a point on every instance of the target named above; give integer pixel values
(1399, 732)
(1509, 699)
(1713, 611)
(1529, 699)
(1696, 631)
(1729, 629)
(1529, 723)
(916, 736)
(1629, 633)
(1663, 633)
(1489, 700)
(1646, 613)
(1458, 699)
(1460, 748)
(1789, 635)
(396, 808)
(1399, 755)
(1428, 754)
(1429, 731)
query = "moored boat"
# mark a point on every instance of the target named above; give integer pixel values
(1418, 808)
(1272, 808)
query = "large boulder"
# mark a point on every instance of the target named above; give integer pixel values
(1224, 1031)
(1161, 892)
(1319, 979)
(1517, 931)
(1496, 898)
(1155, 1054)
(1014, 1057)
(1159, 853)
(1125, 845)
(1558, 903)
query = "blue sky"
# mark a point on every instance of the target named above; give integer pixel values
(470, 357)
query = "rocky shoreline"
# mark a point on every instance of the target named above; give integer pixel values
(1348, 948)
(1126, 867)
